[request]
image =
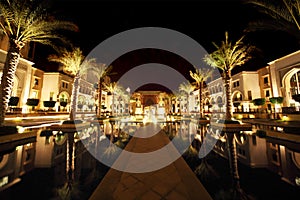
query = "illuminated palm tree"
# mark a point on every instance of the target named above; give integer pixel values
(200, 76)
(187, 88)
(284, 16)
(73, 63)
(178, 96)
(123, 96)
(100, 70)
(23, 22)
(228, 56)
(112, 88)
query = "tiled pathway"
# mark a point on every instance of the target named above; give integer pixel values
(175, 181)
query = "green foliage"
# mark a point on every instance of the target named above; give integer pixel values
(276, 100)
(259, 101)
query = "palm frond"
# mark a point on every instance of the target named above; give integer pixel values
(228, 55)
(70, 60)
(284, 11)
(186, 87)
(28, 21)
(201, 74)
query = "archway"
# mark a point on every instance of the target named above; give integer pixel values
(291, 86)
(64, 101)
(237, 98)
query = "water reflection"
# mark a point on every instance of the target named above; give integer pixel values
(58, 166)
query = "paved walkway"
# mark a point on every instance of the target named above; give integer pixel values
(175, 181)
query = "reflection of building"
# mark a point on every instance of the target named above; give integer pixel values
(251, 150)
(284, 159)
(15, 164)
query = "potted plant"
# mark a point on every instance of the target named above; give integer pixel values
(32, 102)
(13, 101)
(49, 104)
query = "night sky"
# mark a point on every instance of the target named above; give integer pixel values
(203, 20)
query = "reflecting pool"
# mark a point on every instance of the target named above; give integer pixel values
(58, 166)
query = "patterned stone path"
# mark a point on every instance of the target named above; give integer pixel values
(176, 181)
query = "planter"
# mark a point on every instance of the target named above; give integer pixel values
(77, 121)
(13, 101)
(63, 103)
(8, 130)
(32, 102)
(296, 97)
(49, 104)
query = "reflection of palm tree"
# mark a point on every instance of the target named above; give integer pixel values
(200, 76)
(187, 88)
(23, 23)
(228, 56)
(74, 64)
(71, 188)
(205, 171)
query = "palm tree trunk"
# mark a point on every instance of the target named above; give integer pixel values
(228, 103)
(200, 100)
(9, 70)
(74, 97)
(187, 104)
(99, 97)
(113, 104)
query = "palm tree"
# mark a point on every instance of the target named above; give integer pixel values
(73, 63)
(228, 56)
(22, 22)
(284, 16)
(177, 97)
(200, 76)
(112, 88)
(187, 88)
(100, 70)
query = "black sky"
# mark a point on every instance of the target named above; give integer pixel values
(203, 20)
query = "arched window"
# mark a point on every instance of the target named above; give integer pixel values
(294, 83)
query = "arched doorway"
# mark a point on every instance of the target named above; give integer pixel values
(64, 101)
(291, 86)
(237, 98)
